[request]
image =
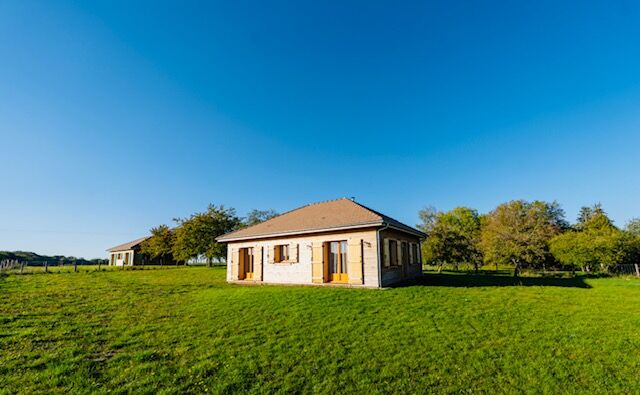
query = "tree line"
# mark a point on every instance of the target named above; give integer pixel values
(195, 236)
(523, 234)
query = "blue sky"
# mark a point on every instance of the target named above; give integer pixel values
(116, 116)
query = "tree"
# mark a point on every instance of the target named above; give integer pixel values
(452, 237)
(427, 218)
(596, 244)
(196, 235)
(159, 245)
(518, 233)
(633, 227)
(587, 214)
(256, 216)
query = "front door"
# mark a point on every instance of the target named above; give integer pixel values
(246, 260)
(338, 262)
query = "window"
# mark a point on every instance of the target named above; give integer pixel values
(393, 252)
(281, 253)
(415, 254)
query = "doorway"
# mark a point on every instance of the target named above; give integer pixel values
(246, 263)
(338, 272)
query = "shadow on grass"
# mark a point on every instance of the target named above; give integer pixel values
(468, 280)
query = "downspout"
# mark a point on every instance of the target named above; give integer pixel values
(379, 247)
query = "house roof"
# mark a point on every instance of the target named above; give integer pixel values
(129, 245)
(317, 217)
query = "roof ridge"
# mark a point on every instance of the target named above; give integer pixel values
(379, 214)
(327, 201)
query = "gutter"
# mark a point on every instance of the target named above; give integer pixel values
(413, 232)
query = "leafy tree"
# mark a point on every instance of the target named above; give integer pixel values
(256, 216)
(518, 233)
(159, 245)
(587, 214)
(633, 227)
(452, 237)
(596, 245)
(197, 234)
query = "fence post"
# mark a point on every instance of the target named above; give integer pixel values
(46, 266)
(75, 266)
(637, 269)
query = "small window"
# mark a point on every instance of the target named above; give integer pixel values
(281, 253)
(415, 257)
(393, 252)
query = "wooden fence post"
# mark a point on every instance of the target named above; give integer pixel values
(637, 269)
(75, 266)
(46, 266)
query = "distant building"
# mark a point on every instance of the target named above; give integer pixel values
(127, 254)
(334, 242)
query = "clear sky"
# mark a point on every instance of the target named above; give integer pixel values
(116, 116)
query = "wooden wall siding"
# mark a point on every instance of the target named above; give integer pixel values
(307, 256)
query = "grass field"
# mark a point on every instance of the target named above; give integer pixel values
(186, 330)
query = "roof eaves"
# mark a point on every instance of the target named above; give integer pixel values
(225, 238)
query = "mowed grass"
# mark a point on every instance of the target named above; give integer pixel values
(186, 330)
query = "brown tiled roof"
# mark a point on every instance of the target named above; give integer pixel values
(334, 214)
(129, 245)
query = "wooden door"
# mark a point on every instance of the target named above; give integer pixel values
(338, 272)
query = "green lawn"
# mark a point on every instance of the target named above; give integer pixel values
(186, 330)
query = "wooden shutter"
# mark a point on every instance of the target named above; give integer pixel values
(317, 271)
(271, 254)
(399, 254)
(354, 261)
(242, 256)
(325, 257)
(385, 252)
(411, 257)
(293, 253)
(235, 259)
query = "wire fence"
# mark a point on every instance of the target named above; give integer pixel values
(13, 266)
(627, 270)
